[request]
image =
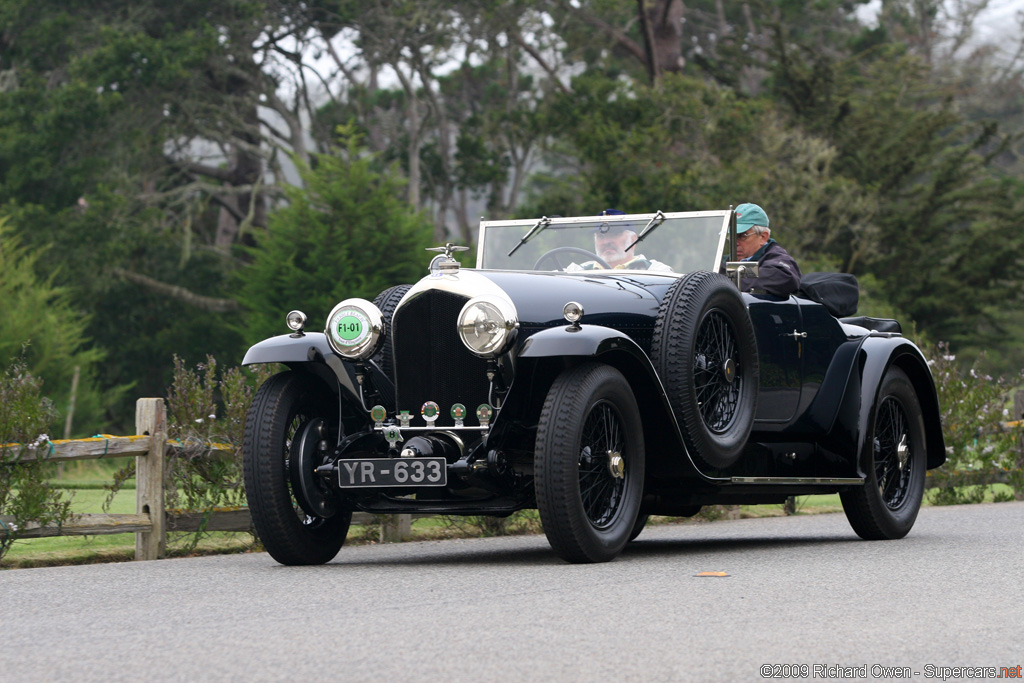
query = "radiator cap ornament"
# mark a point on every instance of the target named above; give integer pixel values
(444, 263)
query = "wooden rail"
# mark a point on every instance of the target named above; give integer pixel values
(151, 520)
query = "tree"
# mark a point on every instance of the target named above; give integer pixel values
(348, 233)
(137, 142)
(41, 328)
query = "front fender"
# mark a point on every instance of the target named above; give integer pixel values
(607, 345)
(288, 348)
(310, 351)
(587, 340)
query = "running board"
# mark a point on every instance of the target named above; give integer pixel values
(850, 481)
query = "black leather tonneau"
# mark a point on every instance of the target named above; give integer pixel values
(838, 292)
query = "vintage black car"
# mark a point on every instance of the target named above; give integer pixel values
(547, 378)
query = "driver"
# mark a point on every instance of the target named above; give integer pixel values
(610, 243)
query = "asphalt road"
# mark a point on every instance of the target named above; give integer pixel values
(799, 591)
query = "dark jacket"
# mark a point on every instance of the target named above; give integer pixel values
(778, 272)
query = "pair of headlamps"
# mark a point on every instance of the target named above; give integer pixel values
(355, 328)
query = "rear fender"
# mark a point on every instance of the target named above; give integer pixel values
(877, 355)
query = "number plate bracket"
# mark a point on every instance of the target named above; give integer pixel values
(391, 472)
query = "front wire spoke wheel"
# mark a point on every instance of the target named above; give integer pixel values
(285, 408)
(589, 463)
(600, 489)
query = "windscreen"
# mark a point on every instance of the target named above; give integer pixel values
(673, 243)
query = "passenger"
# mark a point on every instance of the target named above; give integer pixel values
(778, 273)
(610, 243)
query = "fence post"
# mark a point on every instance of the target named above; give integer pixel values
(395, 528)
(151, 419)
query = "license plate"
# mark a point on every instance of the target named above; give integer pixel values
(378, 472)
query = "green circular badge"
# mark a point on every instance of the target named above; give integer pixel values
(484, 412)
(378, 413)
(458, 411)
(350, 327)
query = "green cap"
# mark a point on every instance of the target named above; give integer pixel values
(749, 215)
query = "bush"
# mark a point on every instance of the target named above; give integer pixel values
(980, 448)
(25, 416)
(204, 413)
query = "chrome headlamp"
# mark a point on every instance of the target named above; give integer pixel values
(355, 329)
(487, 325)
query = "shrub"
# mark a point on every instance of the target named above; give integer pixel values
(979, 448)
(204, 410)
(204, 413)
(25, 416)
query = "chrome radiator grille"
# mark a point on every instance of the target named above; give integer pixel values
(431, 362)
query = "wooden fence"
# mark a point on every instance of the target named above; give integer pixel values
(151, 520)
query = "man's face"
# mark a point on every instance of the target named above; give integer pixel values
(611, 246)
(747, 243)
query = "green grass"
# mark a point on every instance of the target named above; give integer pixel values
(86, 488)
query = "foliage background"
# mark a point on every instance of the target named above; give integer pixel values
(173, 179)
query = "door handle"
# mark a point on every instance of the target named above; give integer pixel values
(797, 336)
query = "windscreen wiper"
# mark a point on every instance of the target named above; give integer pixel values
(649, 228)
(537, 227)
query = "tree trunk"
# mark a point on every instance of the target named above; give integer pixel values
(414, 138)
(665, 19)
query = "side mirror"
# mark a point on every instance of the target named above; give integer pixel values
(741, 269)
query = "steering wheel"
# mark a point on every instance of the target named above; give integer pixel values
(552, 255)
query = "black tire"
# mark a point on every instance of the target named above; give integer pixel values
(887, 505)
(638, 526)
(705, 352)
(589, 417)
(282, 406)
(386, 301)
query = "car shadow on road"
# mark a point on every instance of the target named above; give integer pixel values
(684, 546)
(540, 554)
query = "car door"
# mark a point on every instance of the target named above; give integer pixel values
(778, 327)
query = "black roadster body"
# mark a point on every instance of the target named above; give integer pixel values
(544, 378)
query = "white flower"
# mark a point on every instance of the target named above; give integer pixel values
(949, 357)
(212, 416)
(199, 420)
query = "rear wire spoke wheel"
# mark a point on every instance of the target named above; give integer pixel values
(886, 506)
(589, 463)
(284, 409)
(705, 352)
